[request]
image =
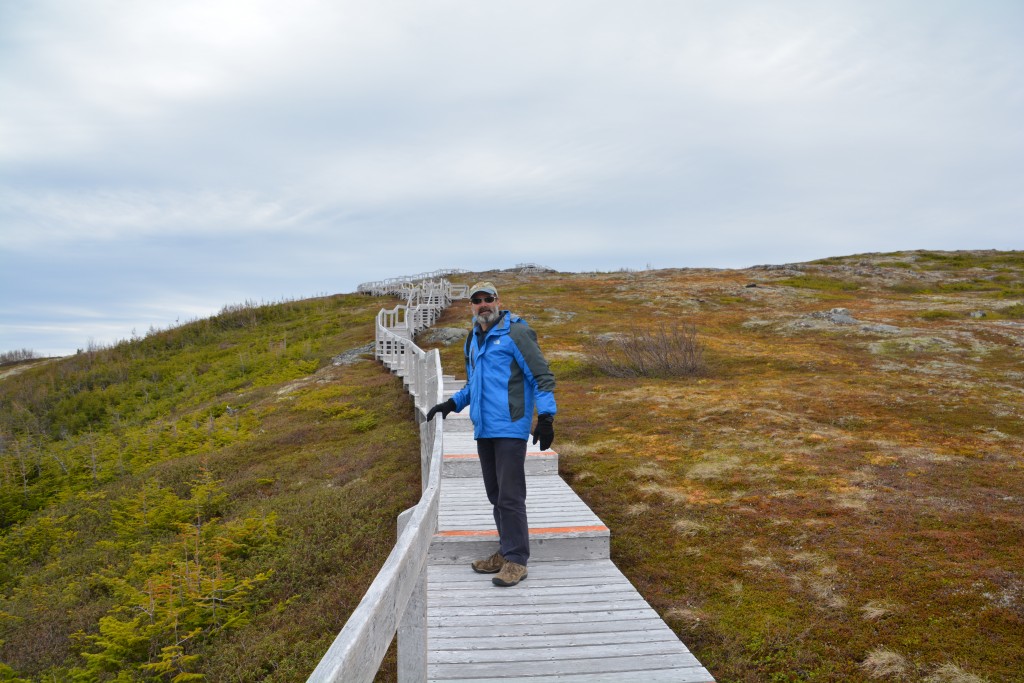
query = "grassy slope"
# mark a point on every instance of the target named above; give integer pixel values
(831, 503)
(332, 451)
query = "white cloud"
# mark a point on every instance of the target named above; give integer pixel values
(48, 218)
(253, 148)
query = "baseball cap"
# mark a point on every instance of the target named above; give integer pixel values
(486, 287)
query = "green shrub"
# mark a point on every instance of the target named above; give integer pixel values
(366, 423)
(968, 286)
(941, 315)
(185, 590)
(964, 259)
(826, 284)
(911, 288)
(571, 368)
(1016, 311)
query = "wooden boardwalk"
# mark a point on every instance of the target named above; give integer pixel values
(575, 618)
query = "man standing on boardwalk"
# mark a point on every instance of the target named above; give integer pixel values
(507, 377)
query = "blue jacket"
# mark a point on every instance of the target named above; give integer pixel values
(507, 378)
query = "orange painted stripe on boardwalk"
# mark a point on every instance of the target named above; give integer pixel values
(460, 456)
(543, 530)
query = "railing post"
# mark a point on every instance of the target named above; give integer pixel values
(412, 625)
(414, 371)
(426, 450)
(421, 398)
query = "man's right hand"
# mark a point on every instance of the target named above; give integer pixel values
(443, 408)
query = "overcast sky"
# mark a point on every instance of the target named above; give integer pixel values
(159, 160)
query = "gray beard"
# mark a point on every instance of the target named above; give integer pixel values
(488, 319)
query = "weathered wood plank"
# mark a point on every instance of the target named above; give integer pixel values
(563, 617)
(517, 655)
(548, 483)
(582, 610)
(484, 594)
(554, 569)
(476, 586)
(461, 436)
(598, 665)
(467, 506)
(536, 496)
(566, 593)
(477, 503)
(531, 640)
(639, 624)
(695, 675)
(540, 523)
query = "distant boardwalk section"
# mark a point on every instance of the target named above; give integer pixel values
(399, 286)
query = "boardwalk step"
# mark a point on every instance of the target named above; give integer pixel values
(468, 464)
(562, 527)
(457, 425)
(460, 458)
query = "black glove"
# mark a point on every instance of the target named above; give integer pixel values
(443, 408)
(544, 431)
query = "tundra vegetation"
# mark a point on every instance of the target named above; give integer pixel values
(837, 495)
(823, 481)
(208, 502)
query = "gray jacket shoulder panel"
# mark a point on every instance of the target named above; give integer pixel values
(526, 341)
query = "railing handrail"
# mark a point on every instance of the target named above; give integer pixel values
(357, 651)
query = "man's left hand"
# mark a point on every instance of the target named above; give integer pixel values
(544, 431)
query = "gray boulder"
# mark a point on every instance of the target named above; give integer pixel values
(354, 355)
(836, 316)
(446, 336)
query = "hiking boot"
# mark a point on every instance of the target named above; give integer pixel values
(510, 574)
(492, 565)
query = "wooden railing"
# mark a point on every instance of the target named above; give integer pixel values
(395, 285)
(397, 599)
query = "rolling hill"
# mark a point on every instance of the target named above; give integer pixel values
(836, 497)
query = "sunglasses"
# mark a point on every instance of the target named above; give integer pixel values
(481, 299)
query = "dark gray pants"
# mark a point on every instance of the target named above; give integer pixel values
(503, 462)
